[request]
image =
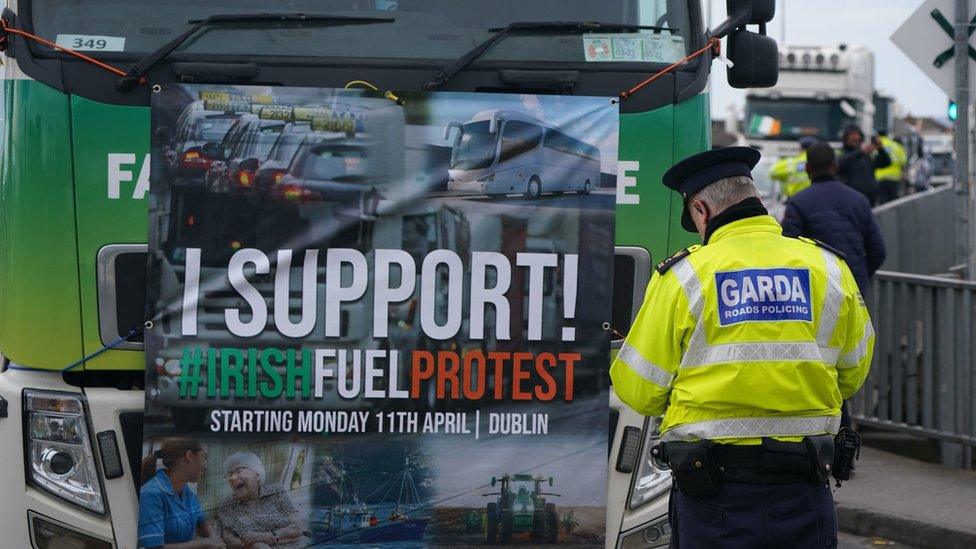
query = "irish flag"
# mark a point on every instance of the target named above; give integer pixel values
(764, 125)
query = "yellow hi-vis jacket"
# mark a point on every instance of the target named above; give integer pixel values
(791, 172)
(899, 158)
(753, 335)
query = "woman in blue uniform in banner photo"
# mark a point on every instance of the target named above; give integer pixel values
(170, 516)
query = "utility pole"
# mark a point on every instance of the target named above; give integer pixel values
(964, 198)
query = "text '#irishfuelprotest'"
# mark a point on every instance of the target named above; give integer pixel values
(273, 373)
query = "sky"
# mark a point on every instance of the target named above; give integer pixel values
(867, 23)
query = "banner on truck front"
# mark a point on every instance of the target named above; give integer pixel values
(376, 321)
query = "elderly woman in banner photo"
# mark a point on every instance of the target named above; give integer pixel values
(170, 516)
(257, 515)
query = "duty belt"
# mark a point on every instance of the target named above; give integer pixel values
(700, 467)
(772, 462)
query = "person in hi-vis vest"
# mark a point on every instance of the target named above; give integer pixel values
(891, 178)
(747, 345)
(791, 171)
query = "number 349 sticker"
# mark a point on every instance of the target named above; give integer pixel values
(87, 42)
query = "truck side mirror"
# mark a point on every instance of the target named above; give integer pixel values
(447, 132)
(758, 12)
(755, 59)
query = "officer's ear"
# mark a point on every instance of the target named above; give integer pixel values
(700, 208)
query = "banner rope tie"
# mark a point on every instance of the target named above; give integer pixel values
(387, 94)
(148, 325)
(607, 327)
(6, 29)
(714, 45)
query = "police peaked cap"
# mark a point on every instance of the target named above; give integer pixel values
(701, 170)
(806, 142)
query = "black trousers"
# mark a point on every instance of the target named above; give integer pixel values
(889, 189)
(754, 516)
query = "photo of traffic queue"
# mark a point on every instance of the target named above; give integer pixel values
(253, 157)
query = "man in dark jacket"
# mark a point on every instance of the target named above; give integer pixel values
(836, 215)
(858, 160)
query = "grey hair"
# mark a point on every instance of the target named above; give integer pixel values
(245, 459)
(726, 192)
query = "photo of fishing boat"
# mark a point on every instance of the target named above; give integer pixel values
(392, 512)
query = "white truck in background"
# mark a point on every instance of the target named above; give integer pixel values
(821, 90)
(941, 147)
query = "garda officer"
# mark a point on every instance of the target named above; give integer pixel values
(890, 177)
(748, 346)
(791, 171)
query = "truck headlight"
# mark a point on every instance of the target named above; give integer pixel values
(650, 481)
(59, 449)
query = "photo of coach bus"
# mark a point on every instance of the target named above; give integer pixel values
(504, 152)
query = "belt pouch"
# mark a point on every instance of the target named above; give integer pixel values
(694, 468)
(821, 451)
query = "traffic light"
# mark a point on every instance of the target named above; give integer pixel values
(953, 110)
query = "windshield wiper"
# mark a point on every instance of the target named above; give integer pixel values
(542, 27)
(136, 72)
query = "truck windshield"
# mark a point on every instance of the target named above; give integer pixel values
(423, 29)
(476, 149)
(788, 119)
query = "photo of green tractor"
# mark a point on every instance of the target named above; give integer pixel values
(521, 507)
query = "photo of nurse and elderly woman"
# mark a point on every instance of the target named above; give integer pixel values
(248, 497)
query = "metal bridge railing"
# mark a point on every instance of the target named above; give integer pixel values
(923, 378)
(912, 224)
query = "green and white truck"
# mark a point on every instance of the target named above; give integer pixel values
(74, 161)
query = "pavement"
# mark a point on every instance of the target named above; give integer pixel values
(852, 541)
(908, 501)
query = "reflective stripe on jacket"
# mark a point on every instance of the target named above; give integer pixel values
(752, 335)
